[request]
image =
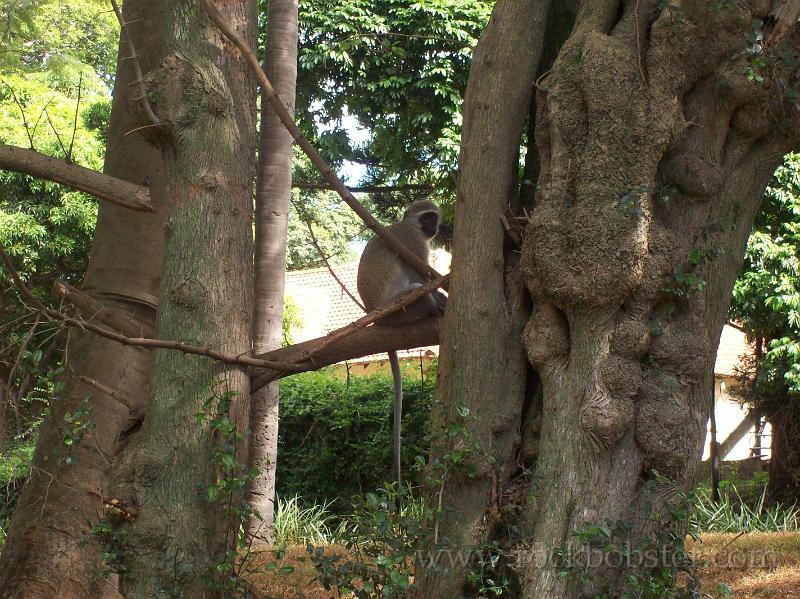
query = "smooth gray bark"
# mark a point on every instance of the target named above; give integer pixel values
(273, 192)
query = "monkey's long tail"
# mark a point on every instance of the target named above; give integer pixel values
(394, 362)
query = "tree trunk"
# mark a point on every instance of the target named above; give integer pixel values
(186, 463)
(784, 462)
(486, 305)
(273, 192)
(655, 149)
(50, 551)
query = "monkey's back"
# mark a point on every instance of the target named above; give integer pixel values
(375, 287)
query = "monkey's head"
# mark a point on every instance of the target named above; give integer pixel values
(426, 215)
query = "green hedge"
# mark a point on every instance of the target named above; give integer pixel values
(335, 437)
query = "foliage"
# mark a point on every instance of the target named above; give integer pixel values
(57, 63)
(732, 514)
(381, 543)
(335, 436)
(766, 297)
(296, 524)
(62, 37)
(14, 463)
(333, 223)
(399, 67)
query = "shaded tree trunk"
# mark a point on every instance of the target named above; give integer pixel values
(273, 192)
(50, 551)
(487, 303)
(784, 462)
(654, 148)
(178, 475)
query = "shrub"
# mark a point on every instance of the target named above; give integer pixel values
(335, 437)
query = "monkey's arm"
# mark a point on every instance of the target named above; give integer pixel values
(371, 340)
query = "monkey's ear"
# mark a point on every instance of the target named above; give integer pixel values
(429, 224)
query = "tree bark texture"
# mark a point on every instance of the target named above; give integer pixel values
(203, 93)
(487, 307)
(655, 147)
(784, 463)
(273, 192)
(50, 551)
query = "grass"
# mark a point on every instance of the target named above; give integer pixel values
(733, 514)
(296, 524)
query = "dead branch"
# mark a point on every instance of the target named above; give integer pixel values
(75, 120)
(28, 131)
(327, 172)
(143, 342)
(100, 185)
(371, 340)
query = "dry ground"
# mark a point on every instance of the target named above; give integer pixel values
(755, 566)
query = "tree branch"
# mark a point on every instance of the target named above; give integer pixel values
(363, 322)
(371, 340)
(324, 258)
(94, 310)
(366, 188)
(144, 342)
(102, 186)
(124, 27)
(327, 172)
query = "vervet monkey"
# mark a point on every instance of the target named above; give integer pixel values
(383, 276)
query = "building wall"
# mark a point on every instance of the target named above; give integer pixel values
(729, 413)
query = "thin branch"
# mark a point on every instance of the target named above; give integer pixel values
(366, 188)
(22, 113)
(100, 185)
(75, 120)
(94, 310)
(107, 391)
(58, 137)
(137, 68)
(137, 341)
(324, 258)
(327, 172)
(41, 114)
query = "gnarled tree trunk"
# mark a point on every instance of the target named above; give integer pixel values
(655, 149)
(656, 137)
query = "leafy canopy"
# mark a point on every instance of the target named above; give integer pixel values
(766, 298)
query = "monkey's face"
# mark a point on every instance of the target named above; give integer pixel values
(429, 224)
